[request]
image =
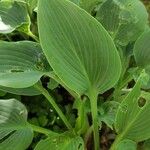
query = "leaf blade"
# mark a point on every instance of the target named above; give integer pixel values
(61, 142)
(13, 15)
(72, 52)
(13, 125)
(132, 120)
(21, 61)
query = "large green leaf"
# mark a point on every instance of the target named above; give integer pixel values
(132, 120)
(14, 130)
(61, 142)
(124, 19)
(13, 15)
(142, 53)
(21, 64)
(78, 48)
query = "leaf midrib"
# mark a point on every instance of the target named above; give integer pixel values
(132, 122)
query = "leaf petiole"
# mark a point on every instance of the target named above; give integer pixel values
(93, 99)
(55, 106)
(33, 36)
(42, 130)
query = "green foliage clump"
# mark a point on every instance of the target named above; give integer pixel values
(74, 75)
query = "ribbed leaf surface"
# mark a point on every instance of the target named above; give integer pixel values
(127, 145)
(14, 131)
(21, 64)
(142, 50)
(133, 121)
(61, 142)
(124, 19)
(142, 53)
(89, 5)
(78, 48)
(30, 91)
(13, 15)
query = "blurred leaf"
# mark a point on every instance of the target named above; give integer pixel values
(61, 142)
(82, 124)
(34, 121)
(127, 145)
(32, 4)
(125, 20)
(142, 51)
(13, 15)
(77, 2)
(80, 60)
(14, 130)
(107, 113)
(52, 84)
(132, 120)
(22, 64)
(89, 5)
(2, 93)
(146, 145)
(43, 120)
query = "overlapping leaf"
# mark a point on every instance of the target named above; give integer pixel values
(127, 145)
(142, 53)
(21, 64)
(142, 50)
(13, 14)
(132, 121)
(61, 142)
(82, 124)
(78, 48)
(14, 130)
(30, 91)
(124, 19)
(89, 5)
(107, 112)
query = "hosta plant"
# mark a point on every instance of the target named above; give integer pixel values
(96, 52)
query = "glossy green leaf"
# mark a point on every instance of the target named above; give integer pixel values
(61, 142)
(127, 145)
(14, 130)
(22, 64)
(78, 48)
(132, 120)
(124, 19)
(13, 15)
